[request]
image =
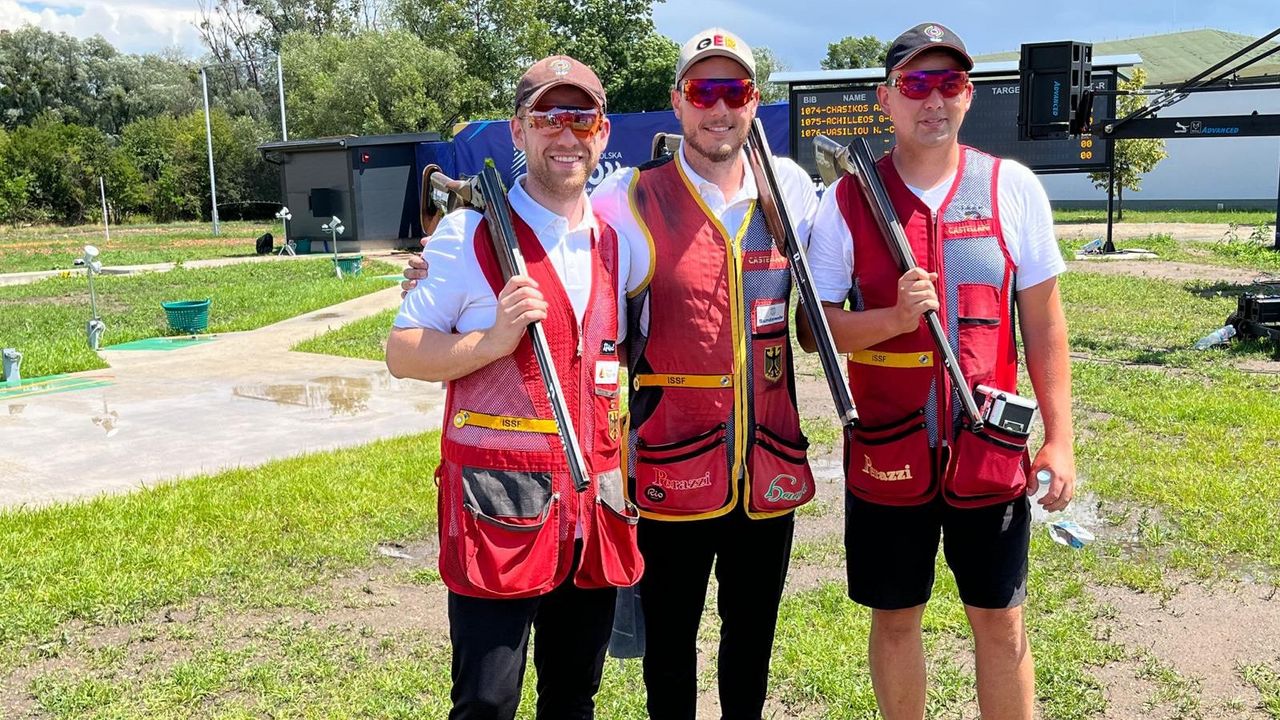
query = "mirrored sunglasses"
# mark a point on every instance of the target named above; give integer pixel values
(919, 83)
(704, 93)
(583, 123)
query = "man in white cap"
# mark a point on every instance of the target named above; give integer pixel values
(717, 461)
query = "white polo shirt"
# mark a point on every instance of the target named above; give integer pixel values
(456, 296)
(611, 203)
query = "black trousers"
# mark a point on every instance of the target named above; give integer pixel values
(751, 559)
(490, 642)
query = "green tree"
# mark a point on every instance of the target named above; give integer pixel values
(375, 82)
(644, 83)
(57, 166)
(495, 40)
(855, 52)
(618, 40)
(767, 63)
(1133, 158)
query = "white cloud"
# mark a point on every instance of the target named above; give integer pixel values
(130, 27)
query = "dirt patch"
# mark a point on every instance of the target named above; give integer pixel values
(1197, 232)
(1167, 270)
(1204, 634)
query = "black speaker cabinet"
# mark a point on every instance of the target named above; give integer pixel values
(1053, 77)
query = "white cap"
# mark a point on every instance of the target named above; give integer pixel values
(714, 42)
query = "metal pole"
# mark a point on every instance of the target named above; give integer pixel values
(106, 224)
(284, 127)
(1276, 247)
(1110, 247)
(208, 136)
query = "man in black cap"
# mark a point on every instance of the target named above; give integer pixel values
(982, 231)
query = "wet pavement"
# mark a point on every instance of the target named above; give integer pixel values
(241, 400)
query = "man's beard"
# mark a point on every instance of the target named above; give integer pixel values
(560, 187)
(713, 151)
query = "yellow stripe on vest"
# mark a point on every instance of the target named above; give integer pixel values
(689, 381)
(892, 359)
(504, 422)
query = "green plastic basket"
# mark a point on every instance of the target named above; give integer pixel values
(350, 264)
(187, 316)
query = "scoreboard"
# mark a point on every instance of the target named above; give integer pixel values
(846, 112)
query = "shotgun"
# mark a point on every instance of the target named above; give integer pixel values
(486, 194)
(778, 218)
(779, 222)
(856, 160)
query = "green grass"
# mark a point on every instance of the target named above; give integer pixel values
(46, 320)
(1232, 250)
(365, 338)
(1099, 215)
(261, 538)
(1267, 680)
(1199, 448)
(820, 659)
(48, 247)
(1151, 321)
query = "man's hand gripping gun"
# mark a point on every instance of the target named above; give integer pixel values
(778, 219)
(833, 160)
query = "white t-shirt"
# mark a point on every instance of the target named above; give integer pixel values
(611, 203)
(1025, 219)
(456, 296)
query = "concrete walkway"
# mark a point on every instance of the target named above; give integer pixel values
(241, 400)
(23, 278)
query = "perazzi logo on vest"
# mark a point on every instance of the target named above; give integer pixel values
(662, 478)
(885, 475)
(775, 493)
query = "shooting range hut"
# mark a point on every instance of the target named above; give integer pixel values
(368, 182)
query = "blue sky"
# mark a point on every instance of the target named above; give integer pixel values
(797, 30)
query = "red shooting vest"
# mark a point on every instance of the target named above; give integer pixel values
(911, 442)
(507, 506)
(712, 414)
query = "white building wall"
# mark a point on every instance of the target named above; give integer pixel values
(1202, 169)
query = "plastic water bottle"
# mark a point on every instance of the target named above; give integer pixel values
(1044, 476)
(1221, 336)
(1093, 247)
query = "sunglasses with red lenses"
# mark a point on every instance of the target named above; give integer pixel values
(704, 93)
(583, 123)
(919, 83)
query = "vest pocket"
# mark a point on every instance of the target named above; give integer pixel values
(610, 555)
(781, 478)
(890, 463)
(989, 464)
(978, 321)
(509, 540)
(685, 477)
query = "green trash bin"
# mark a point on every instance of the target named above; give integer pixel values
(302, 246)
(350, 264)
(187, 316)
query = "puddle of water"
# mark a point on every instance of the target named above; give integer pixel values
(340, 395)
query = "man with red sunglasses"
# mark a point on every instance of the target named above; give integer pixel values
(717, 462)
(520, 547)
(982, 231)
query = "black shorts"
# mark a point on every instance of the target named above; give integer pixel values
(890, 552)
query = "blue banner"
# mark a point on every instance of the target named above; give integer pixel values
(630, 142)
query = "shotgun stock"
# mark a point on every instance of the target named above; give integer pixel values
(856, 161)
(487, 194)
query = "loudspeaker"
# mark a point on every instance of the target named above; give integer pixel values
(1053, 78)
